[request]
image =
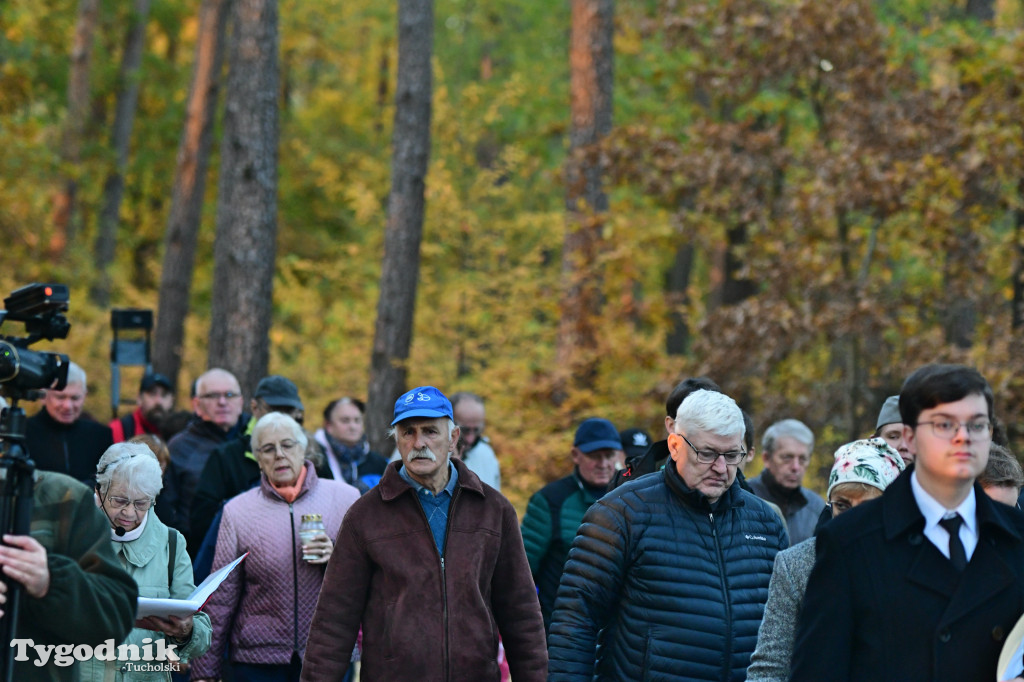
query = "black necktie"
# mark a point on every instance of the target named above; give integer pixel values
(957, 555)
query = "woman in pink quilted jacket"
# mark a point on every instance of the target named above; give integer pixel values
(265, 606)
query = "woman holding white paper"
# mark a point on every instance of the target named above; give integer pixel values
(128, 478)
(265, 606)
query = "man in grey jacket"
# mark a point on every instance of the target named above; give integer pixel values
(786, 448)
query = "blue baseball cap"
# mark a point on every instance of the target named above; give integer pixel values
(596, 434)
(425, 401)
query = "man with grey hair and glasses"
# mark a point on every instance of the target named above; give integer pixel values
(670, 571)
(786, 448)
(218, 419)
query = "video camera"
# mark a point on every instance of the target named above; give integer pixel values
(24, 372)
(23, 375)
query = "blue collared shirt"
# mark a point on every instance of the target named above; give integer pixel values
(435, 506)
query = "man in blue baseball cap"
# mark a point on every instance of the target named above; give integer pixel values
(555, 511)
(429, 541)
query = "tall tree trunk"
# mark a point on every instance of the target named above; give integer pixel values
(730, 289)
(590, 89)
(677, 282)
(960, 316)
(189, 188)
(1018, 272)
(245, 246)
(410, 156)
(982, 10)
(62, 216)
(383, 78)
(120, 137)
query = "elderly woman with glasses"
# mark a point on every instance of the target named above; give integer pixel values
(265, 606)
(862, 470)
(128, 478)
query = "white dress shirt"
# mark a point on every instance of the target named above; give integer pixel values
(934, 512)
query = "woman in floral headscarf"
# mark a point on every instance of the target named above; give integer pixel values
(861, 471)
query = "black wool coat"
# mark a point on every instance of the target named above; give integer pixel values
(883, 603)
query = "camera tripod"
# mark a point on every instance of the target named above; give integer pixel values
(17, 477)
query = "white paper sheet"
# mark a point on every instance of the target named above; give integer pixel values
(186, 607)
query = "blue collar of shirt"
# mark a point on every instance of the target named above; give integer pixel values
(453, 477)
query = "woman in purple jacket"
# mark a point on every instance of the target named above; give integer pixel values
(265, 606)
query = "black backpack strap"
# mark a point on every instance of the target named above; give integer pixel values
(128, 425)
(172, 552)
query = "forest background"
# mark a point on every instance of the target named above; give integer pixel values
(807, 200)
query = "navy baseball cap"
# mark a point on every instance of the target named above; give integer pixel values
(596, 434)
(153, 379)
(278, 391)
(425, 401)
(635, 442)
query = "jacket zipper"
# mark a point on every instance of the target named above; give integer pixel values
(444, 584)
(295, 583)
(725, 594)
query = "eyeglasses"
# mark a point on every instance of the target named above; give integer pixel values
(119, 503)
(271, 448)
(710, 456)
(787, 460)
(471, 429)
(216, 396)
(947, 428)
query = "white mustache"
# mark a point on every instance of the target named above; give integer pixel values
(423, 453)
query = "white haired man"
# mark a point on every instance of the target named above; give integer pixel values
(60, 439)
(670, 571)
(786, 448)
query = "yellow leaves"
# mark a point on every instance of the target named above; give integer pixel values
(363, 201)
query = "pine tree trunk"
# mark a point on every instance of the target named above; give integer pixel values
(677, 282)
(62, 216)
(189, 188)
(400, 267)
(246, 241)
(590, 88)
(121, 134)
(1017, 316)
(982, 10)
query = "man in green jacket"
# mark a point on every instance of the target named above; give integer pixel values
(74, 591)
(556, 510)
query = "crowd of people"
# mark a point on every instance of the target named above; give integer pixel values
(649, 560)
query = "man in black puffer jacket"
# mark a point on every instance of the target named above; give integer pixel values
(672, 568)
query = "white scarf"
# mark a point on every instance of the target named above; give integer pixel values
(130, 535)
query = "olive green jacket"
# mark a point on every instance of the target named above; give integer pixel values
(90, 598)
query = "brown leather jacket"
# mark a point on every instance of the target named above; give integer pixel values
(423, 619)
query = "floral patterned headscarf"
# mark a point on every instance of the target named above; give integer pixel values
(871, 461)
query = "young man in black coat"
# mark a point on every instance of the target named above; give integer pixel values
(925, 582)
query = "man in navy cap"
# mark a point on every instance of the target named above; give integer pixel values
(555, 511)
(430, 564)
(155, 401)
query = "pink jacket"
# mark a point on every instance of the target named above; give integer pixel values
(271, 596)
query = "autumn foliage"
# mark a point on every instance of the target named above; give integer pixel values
(806, 200)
